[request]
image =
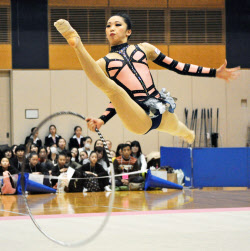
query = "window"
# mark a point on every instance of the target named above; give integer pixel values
(5, 30)
(89, 23)
(196, 27)
(167, 26)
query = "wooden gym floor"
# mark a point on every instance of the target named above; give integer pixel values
(208, 219)
(78, 203)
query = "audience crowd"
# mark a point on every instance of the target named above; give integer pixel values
(53, 157)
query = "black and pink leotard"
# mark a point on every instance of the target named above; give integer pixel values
(132, 74)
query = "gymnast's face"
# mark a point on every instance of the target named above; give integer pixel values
(116, 31)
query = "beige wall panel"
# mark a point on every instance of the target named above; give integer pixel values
(5, 107)
(31, 90)
(139, 3)
(97, 104)
(180, 87)
(85, 3)
(204, 55)
(68, 93)
(5, 56)
(52, 91)
(238, 117)
(197, 3)
(211, 93)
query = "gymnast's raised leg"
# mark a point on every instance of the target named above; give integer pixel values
(132, 115)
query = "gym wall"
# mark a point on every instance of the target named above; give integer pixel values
(62, 86)
(52, 91)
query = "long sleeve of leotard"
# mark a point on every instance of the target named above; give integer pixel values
(182, 68)
(108, 114)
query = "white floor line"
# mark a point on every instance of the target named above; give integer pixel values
(12, 212)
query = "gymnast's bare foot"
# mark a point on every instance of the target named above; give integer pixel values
(64, 27)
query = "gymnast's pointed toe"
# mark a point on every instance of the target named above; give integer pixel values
(62, 25)
(189, 138)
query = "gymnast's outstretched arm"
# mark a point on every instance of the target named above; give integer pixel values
(188, 69)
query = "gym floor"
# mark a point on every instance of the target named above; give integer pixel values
(207, 219)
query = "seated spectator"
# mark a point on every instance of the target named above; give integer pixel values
(59, 168)
(125, 164)
(83, 157)
(43, 160)
(61, 145)
(52, 138)
(119, 150)
(20, 157)
(113, 154)
(75, 154)
(7, 152)
(77, 141)
(69, 161)
(33, 138)
(5, 166)
(153, 159)
(102, 158)
(33, 166)
(98, 143)
(87, 145)
(52, 156)
(93, 169)
(32, 148)
(137, 153)
(109, 144)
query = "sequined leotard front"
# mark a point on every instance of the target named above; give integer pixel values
(133, 75)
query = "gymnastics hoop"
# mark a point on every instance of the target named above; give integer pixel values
(111, 201)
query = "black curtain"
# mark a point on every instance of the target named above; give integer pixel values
(29, 34)
(238, 33)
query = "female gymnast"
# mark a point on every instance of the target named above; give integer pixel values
(123, 75)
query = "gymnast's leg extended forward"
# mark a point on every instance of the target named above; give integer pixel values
(132, 115)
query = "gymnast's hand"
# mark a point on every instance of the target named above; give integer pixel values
(94, 123)
(227, 74)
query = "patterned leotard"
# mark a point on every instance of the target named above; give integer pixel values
(132, 74)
